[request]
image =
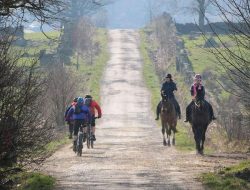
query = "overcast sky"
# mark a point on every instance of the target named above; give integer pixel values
(135, 13)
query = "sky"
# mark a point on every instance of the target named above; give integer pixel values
(135, 13)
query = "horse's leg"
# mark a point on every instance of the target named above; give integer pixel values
(195, 131)
(169, 134)
(173, 140)
(203, 139)
(200, 135)
(163, 134)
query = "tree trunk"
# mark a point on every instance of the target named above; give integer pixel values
(201, 13)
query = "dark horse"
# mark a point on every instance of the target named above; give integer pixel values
(200, 120)
(168, 120)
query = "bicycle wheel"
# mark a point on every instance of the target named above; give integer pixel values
(79, 144)
(88, 141)
(92, 143)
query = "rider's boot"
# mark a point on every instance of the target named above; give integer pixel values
(84, 137)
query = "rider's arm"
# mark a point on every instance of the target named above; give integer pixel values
(192, 92)
(98, 108)
(174, 87)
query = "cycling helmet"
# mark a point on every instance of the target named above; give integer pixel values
(88, 96)
(80, 100)
(75, 99)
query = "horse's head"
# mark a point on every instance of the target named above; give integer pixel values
(166, 103)
(198, 104)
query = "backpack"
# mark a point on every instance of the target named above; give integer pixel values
(77, 109)
(67, 110)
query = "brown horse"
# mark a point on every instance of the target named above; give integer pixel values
(200, 119)
(168, 120)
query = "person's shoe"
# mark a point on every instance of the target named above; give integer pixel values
(213, 118)
(186, 120)
(157, 118)
(179, 116)
(84, 137)
(93, 138)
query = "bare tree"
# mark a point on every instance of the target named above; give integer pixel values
(235, 58)
(165, 34)
(62, 87)
(43, 11)
(24, 130)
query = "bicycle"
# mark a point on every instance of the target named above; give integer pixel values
(79, 142)
(90, 140)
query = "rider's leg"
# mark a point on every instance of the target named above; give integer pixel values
(76, 129)
(211, 111)
(84, 132)
(93, 128)
(188, 110)
(158, 110)
(71, 128)
(177, 107)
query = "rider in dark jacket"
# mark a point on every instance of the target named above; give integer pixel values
(198, 93)
(167, 89)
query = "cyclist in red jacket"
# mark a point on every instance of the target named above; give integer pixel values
(93, 105)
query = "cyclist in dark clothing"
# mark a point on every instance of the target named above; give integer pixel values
(167, 90)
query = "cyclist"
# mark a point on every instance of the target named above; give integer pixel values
(94, 106)
(81, 115)
(70, 120)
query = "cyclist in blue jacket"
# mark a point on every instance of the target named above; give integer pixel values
(82, 116)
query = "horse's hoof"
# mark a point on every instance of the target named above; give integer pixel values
(164, 143)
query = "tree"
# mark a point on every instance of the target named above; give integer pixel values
(200, 7)
(18, 10)
(235, 60)
(24, 130)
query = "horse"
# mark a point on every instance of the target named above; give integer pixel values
(200, 119)
(168, 120)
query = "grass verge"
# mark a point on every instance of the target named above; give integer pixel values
(33, 181)
(230, 178)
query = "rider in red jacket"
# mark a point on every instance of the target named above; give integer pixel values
(94, 106)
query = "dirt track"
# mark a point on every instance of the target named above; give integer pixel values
(129, 153)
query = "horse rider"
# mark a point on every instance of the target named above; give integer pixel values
(93, 106)
(81, 116)
(198, 94)
(167, 90)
